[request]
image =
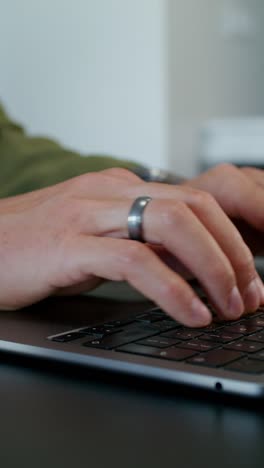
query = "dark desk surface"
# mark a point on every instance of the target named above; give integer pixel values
(50, 420)
(70, 419)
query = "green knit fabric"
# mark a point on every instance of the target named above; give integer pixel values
(28, 163)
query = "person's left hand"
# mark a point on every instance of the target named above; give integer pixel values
(240, 193)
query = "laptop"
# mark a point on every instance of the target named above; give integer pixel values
(137, 339)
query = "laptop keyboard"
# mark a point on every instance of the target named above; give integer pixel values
(236, 346)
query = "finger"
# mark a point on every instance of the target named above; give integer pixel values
(119, 260)
(248, 204)
(185, 237)
(225, 233)
(181, 232)
(231, 242)
(109, 218)
(239, 195)
(171, 261)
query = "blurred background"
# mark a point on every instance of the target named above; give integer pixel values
(176, 84)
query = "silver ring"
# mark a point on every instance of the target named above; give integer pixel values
(135, 218)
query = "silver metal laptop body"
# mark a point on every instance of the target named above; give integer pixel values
(138, 339)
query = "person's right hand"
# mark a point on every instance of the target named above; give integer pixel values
(69, 237)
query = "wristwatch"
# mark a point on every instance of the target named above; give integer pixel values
(154, 174)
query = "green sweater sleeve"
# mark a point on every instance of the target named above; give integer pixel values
(28, 163)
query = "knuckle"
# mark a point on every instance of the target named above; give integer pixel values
(132, 252)
(245, 262)
(222, 274)
(60, 205)
(228, 169)
(173, 213)
(203, 199)
(171, 290)
(78, 183)
(69, 214)
(247, 171)
(67, 206)
(121, 173)
(231, 174)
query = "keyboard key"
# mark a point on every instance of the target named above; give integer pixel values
(158, 342)
(215, 358)
(164, 325)
(259, 355)
(185, 334)
(66, 337)
(99, 331)
(118, 339)
(212, 327)
(256, 321)
(155, 312)
(198, 345)
(256, 337)
(171, 354)
(244, 328)
(246, 346)
(118, 323)
(221, 336)
(248, 365)
(148, 318)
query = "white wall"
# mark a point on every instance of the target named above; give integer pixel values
(91, 73)
(216, 69)
(134, 78)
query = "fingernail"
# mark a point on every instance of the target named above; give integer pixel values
(235, 305)
(200, 314)
(252, 295)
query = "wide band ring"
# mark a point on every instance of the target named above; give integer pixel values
(135, 218)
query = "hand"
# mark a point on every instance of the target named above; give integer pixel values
(240, 193)
(69, 237)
